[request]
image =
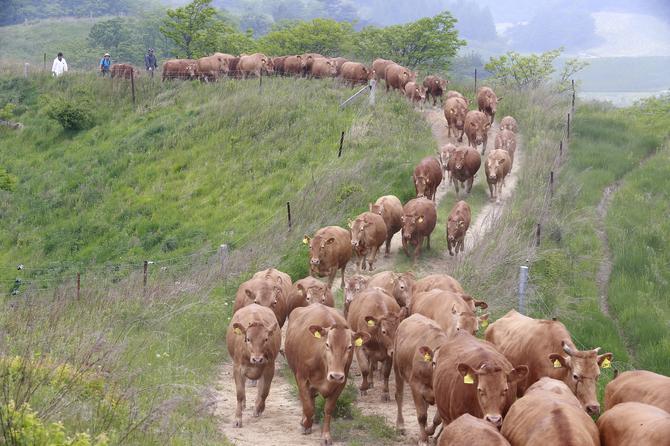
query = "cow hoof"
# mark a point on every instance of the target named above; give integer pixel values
(237, 424)
(326, 442)
(306, 430)
(363, 392)
(401, 430)
(385, 397)
(257, 412)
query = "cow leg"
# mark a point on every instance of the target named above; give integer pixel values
(363, 260)
(388, 364)
(498, 191)
(264, 388)
(417, 248)
(483, 146)
(307, 401)
(455, 181)
(421, 414)
(328, 410)
(460, 138)
(364, 366)
(491, 191)
(388, 245)
(404, 245)
(449, 246)
(341, 283)
(399, 390)
(373, 257)
(241, 393)
(331, 277)
(428, 241)
(470, 181)
(437, 420)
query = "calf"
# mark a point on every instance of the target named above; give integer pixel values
(179, 69)
(498, 166)
(457, 225)
(123, 71)
(415, 92)
(451, 311)
(427, 178)
(319, 349)
(509, 123)
(376, 313)
(354, 286)
(265, 292)
(418, 221)
(639, 386)
(476, 129)
(550, 415)
(417, 338)
(633, 423)
(368, 233)
(467, 430)
(487, 101)
(253, 340)
(547, 347)
(398, 285)
(329, 250)
(435, 87)
(472, 376)
(455, 111)
(506, 140)
(444, 154)
(390, 208)
(309, 291)
(463, 164)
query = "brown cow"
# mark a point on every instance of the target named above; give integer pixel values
(398, 285)
(339, 61)
(211, 67)
(435, 87)
(549, 414)
(379, 67)
(355, 73)
(457, 225)
(467, 430)
(629, 424)
(375, 312)
(509, 123)
(354, 286)
(255, 64)
(415, 92)
(279, 277)
(278, 63)
(455, 111)
(487, 102)
(427, 178)
(323, 68)
(539, 344)
(397, 76)
(123, 71)
(463, 164)
(506, 140)
(262, 291)
(294, 65)
(498, 165)
(418, 221)
(417, 337)
(452, 311)
(319, 349)
(640, 386)
(309, 59)
(309, 291)
(457, 94)
(253, 341)
(179, 69)
(444, 154)
(329, 250)
(476, 128)
(472, 376)
(390, 208)
(438, 282)
(233, 68)
(368, 234)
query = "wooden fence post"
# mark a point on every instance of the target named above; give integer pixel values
(25, 69)
(339, 153)
(45, 61)
(551, 183)
(78, 284)
(560, 149)
(288, 211)
(573, 96)
(144, 281)
(537, 235)
(223, 253)
(373, 91)
(568, 126)
(132, 83)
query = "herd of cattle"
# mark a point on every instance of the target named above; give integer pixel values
(525, 384)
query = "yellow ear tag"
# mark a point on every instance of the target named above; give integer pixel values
(317, 334)
(305, 241)
(467, 379)
(371, 323)
(606, 363)
(237, 331)
(358, 342)
(485, 323)
(557, 364)
(427, 357)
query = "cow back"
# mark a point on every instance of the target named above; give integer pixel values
(467, 430)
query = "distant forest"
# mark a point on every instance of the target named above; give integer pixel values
(18, 11)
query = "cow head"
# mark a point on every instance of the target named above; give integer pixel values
(479, 128)
(419, 92)
(316, 293)
(337, 348)
(268, 66)
(377, 209)
(467, 320)
(422, 371)
(455, 228)
(445, 153)
(492, 386)
(443, 83)
(492, 164)
(422, 185)
(332, 68)
(410, 223)
(353, 286)
(357, 229)
(403, 286)
(266, 295)
(459, 159)
(257, 340)
(581, 370)
(319, 247)
(384, 328)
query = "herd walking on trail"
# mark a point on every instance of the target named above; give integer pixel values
(524, 383)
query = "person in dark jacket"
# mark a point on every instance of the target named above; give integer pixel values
(150, 61)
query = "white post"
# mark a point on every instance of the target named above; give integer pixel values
(25, 69)
(523, 280)
(223, 252)
(373, 90)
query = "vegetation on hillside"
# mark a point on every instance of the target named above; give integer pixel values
(17, 11)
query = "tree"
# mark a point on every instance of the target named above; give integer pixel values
(191, 28)
(109, 34)
(323, 36)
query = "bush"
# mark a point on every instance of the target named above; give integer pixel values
(7, 181)
(71, 114)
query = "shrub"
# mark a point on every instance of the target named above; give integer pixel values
(7, 181)
(70, 114)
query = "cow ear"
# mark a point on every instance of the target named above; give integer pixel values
(481, 304)
(301, 289)
(239, 329)
(351, 224)
(330, 241)
(605, 360)
(500, 98)
(484, 320)
(360, 337)
(466, 372)
(453, 309)
(517, 374)
(317, 331)
(426, 353)
(559, 361)
(371, 321)
(250, 294)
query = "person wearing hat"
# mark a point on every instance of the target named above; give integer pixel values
(105, 63)
(150, 62)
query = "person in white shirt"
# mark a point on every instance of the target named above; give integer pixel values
(60, 66)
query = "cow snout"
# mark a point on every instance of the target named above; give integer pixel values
(495, 420)
(354, 243)
(336, 377)
(257, 359)
(407, 235)
(593, 409)
(451, 238)
(314, 261)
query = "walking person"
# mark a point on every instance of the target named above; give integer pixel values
(150, 62)
(105, 63)
(59, 66)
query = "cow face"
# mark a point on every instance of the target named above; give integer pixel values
(354, 285)
(410, 224)
(337, 345)
(422, 185)
(445, 154)
(318, 248)
(479, 129)
(403, 286)
(422, 372)
(455, 228)
(377, 209)
(357, 229)
(384, 328)
(315, 294)
(419, 93)
(266, 296)
(459, 159)
(332, 68)
(494, 166)
(492, 386)
(581, 373)
(257, 340)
